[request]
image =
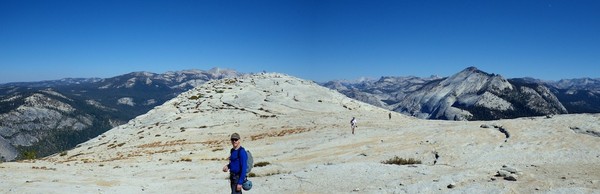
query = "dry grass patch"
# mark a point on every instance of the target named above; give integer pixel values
(149, 152)
(42, 168)
(168, 143)
(230, 81)
(121, 157)
(214, 143)
(151, 145)
(279, 133)
(103, 143)
(401, 161)
(73, 156)
(87, 160)
(261, 164)
(268, 174)
(112, 145)
(214, 159)
(196, 97)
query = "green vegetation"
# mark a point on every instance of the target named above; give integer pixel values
(7, 106)
(60, 140)
(29, 155)
(401, 161)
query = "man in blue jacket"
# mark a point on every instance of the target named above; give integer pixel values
(238, 164)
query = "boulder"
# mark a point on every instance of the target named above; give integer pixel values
(511, 177)
(509, 169)
(502, 173)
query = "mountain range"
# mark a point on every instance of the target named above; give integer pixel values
(473, 94)
(42, 118)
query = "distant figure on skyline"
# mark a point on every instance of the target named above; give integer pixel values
(353, 124)
(390, 115)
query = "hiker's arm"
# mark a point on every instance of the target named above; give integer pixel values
(244, 161)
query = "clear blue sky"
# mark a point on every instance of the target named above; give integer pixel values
(317, 40)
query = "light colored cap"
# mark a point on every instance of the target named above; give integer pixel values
(235, 136)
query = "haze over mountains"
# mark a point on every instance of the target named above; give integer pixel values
(301, 131)
(50, 116)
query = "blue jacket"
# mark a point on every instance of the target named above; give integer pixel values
(238, 163)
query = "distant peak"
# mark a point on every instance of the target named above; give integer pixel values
(472, 69)
(215, 70)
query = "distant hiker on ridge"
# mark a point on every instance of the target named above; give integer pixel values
(390, 115)
(237, 164)
(353, 124)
